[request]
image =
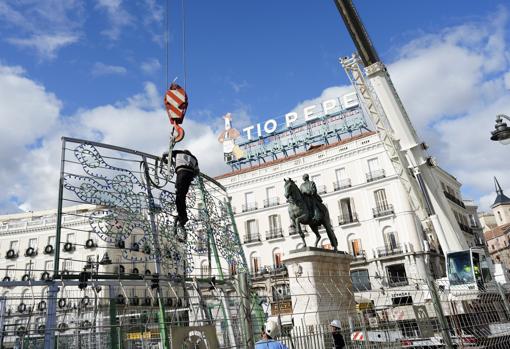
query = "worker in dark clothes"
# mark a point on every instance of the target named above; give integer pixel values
(338, 339)
(186, 168)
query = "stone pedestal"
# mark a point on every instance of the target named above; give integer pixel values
(320, 286)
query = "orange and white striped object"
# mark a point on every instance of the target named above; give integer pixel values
(357, 336)
(176, 103)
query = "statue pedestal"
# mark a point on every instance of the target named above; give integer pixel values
(320, 286)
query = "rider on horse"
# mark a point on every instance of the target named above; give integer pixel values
(312, 199)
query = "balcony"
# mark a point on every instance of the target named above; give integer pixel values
(348, 218)
(389, 250)
(342, 184)
(274, 233)
(375, 175)
(383, 211)
(359, 256)
(452, 198)
(270, 202)
(465, 228)
(253, 237)
(321, 189)
(249, 206)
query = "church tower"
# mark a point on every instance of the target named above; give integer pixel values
(501, 206)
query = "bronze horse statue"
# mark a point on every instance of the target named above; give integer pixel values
(301, 213)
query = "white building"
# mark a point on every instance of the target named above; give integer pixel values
(27, 250)
(368, 207)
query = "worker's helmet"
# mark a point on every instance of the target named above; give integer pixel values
(336, 323)
(271, 328)
(305, 177)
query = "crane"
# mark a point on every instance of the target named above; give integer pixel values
(409, 157)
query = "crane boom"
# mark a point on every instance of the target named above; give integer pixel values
(406, 151)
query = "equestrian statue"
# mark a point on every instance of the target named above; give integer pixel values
(306, 207)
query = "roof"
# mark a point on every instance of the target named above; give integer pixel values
(497, 232)
(501, 198)
(313, 149)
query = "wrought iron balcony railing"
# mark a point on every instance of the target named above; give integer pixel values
(397, 280)
(359, 255)
(342, 184)
(348, 218)
(384, 210)
(274, 233)
(454, 199)
(250, 206)
(465, 228)
(389, 250)
(269, 202)
(375, 175)
(252, 237)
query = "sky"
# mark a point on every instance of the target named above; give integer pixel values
(98, 70)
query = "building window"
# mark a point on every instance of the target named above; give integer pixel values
(397, 275)
(391, 240)
(275, 227)
(342, 180)
(255, 264)
(14, 245)
(380, 198)
(347, 211)
(51, 240)
(356, 247)
(70, 238)
(252, 231)
(32, 243)
(327, 245)
(204, 269)
(340, 174)
(382, 208)
(10, 271)
(249, 202)
(271, 197)
(67, 265)
(360, 280)
(48, 265)
(233, 268)
(277, 259)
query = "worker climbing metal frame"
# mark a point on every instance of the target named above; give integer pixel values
(137, 197)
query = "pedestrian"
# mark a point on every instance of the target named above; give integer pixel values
(338, 339)
(269, 331)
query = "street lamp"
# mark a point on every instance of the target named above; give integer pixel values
(502, 131)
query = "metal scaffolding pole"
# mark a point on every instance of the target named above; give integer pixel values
(157, 264)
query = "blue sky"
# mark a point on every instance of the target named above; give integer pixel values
(96, 69)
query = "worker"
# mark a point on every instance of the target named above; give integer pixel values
(186, 168)
(269, 331)
(338, 339)
(467, 272)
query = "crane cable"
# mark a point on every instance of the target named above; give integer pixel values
(176, 112)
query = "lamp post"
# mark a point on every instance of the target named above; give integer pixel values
(502, 131)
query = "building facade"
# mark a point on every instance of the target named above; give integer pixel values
(368, 206)
(497, 234)
(369, 211)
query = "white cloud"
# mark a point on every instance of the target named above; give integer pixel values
(118, 16)
(100, 69)
(45, 26)
(453, 84)
(32, 132)
(151, 66)
(45, 45)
